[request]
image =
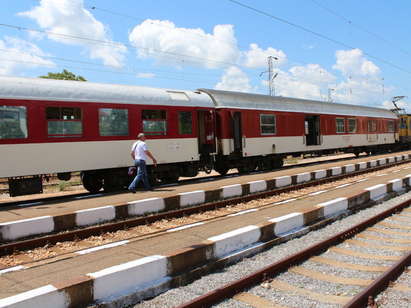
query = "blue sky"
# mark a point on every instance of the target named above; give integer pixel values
(217, 44)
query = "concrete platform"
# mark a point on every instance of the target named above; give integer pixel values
(170, 243)
(8, 214)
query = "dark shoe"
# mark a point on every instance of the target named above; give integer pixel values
(132, 191)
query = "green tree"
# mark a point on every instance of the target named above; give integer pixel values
(64, 75)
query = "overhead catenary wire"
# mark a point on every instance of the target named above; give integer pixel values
(361, 28)
(130, 73)
(317, 34)
(136, 70)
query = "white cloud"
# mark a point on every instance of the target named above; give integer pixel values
(17, 54)
(69, 17)
(234, 79)
(256, 57)
(359, 82)
(146, 75)
(353, 63)
(286, 84)
(307, 82)
(312, 73)
(166, 43)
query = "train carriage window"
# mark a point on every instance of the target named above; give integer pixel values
(13, 122)
(403, 123)
(372, 126)
(154, 122)
(352, 125)
(267, 124)
(64, 122)
(185, 123)
(340, 125)
(113, 122)
(390, 126)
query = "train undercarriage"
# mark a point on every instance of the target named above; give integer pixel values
(117, 179)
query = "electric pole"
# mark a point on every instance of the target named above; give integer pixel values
(271, 75)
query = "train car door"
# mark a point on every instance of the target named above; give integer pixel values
(237, 132)
(312, 130)
(206, 128)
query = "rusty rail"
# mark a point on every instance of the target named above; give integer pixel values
(82, 233)
(367, 295)
(229, 290)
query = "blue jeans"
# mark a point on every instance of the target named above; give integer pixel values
(141, 175)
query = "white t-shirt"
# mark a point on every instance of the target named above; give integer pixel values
(139, 148)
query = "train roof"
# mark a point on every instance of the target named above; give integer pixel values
(79, 91)
(239, 100)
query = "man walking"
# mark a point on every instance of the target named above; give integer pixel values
(139, 153)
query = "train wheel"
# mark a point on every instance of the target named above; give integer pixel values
(277, 163)
(222, 170)
(92, 182)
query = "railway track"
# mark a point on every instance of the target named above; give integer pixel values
(365, 259)
(78, 234)
(64, 198)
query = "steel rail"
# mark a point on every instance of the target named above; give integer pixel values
(367, 295)
(230, 289)
(76, 234)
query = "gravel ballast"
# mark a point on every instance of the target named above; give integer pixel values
(252, 264)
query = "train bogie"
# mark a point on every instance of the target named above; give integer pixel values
(59, 127)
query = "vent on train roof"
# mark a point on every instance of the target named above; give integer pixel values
(178, 96)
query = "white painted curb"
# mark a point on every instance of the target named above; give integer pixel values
(287, 222)
(44, 297)
(140, 207)
(303, 177)
(231, 191)
(192, 198)
(282, 181)
(127, 277)
(336, 170)
(319, 174)
(362, 165)
(373, 163)
(231, 241)
(95, 215)
(334, 206)
(21, 228)
(396, 184)
(377, 191)
(349, 168)
(391, 159)
(256, 186)
(382, 161)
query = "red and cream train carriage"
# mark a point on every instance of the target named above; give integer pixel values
(53, 126)
(57, 127)
(259, 130)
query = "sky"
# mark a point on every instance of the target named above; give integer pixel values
(355, 52)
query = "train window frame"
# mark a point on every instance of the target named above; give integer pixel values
(390, 126)
(352, 129)
(181, 129)
(113, 133)
(61, 118)
(338, 127)
(268, 125)
(22, 122)
(372, 126)
(150, 120)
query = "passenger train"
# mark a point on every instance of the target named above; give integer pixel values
(59, 127)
